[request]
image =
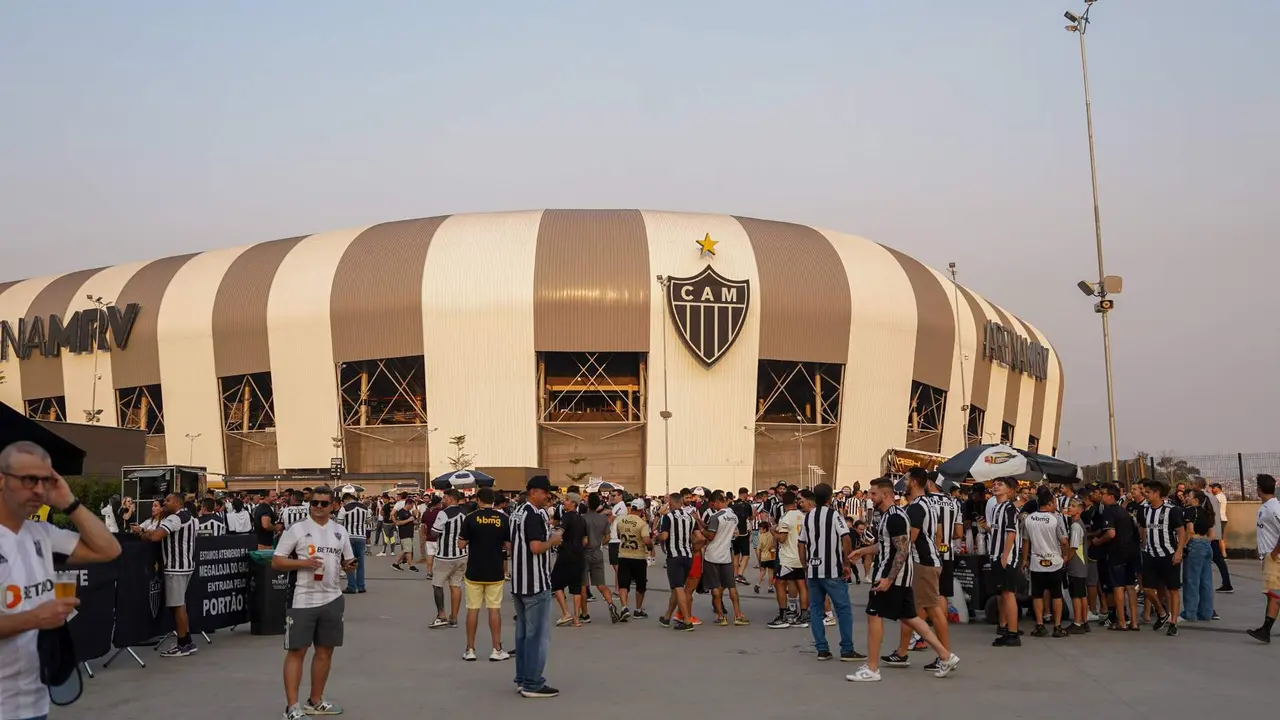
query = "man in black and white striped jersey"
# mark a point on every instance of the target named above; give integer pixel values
(176, 534)
(1164, 539)
(1006, 551)
(211, 522)
(824, 545)
(295, 511)
(451, 560)
(891, 578)
(531, 538)
(358, 520)
(925, 534)
(676, 529)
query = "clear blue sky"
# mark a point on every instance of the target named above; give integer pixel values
(954, 132)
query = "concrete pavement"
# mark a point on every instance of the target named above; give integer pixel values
(393, 666)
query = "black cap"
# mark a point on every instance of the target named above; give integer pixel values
(538, 482)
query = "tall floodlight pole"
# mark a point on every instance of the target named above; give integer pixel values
(664, 282)
(1080, 26)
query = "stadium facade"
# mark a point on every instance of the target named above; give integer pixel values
(624, 344)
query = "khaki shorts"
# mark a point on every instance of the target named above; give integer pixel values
(924, 586)
(487, 595)
(448, 573)
(175, 589)
(1270, 576)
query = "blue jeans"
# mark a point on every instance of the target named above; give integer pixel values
(355, 578)
(533, 639)
(1197, 581)
(838, 591)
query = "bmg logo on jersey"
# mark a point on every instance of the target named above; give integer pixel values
(14, 595)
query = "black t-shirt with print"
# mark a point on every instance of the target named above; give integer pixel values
(264, 537)
(485, 531)
(575, 528)
(406, 530)
(742, 510)
(1123, 548)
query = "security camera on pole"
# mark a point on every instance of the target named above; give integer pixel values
(1107, 284)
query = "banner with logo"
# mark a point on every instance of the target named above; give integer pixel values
(41, 515)
(91, 626)
(140, 611)
(218, 596)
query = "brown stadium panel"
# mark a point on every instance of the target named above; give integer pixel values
(139, 363)
(1013, 379)
(240, 309)
(982, 369)
(804, 299)
(375, 309)
(1062, 388)
(42, 376)
(591, 282)
(8, 284)
(935, 325)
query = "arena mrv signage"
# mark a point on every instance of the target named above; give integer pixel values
(80, 333)
(1019, 354)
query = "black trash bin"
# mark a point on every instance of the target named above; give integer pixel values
(268, 595)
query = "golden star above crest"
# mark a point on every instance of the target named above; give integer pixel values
(708, 245)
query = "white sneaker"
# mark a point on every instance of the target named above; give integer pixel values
(469, 655)
(945, 667)
(1093, 617)
(864, 674)
(829, 620)
(499, 655)
(293, 712)
(382, 554)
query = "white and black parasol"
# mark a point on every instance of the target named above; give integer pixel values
(984, 463)
(462, 480)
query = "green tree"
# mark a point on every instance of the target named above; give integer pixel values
(577, 477)
(461, 459)
(1173, 470)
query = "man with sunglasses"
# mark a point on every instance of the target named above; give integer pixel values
(28, 481)
(314, 550)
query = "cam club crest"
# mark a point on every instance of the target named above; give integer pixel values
(709, 311)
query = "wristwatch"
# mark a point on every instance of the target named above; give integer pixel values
(71, 507)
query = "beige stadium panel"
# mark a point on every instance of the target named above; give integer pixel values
(78, 369)
(998, 384)
(1026, 394)
(42, 376)
(962, 367)
(980, 389)
(873, 415)
(14, 302)
(613, 451)
(713, 410)
(1044, 411)
(477, 329)
(184, 338)
(300, 341)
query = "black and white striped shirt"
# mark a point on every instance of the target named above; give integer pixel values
(357, 519)
(822, 532)
(178, 548)
(922, 516)
(448, 527)
(211, 526)
(946, 511)
(1063, 501)
(1162, 525)
(293, 514)
(1004, 521)
(530, 573)
(891, 524)
(679, 526)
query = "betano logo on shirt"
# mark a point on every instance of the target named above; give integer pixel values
(14, 594)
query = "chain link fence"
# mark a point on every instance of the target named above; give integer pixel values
(1236, 472)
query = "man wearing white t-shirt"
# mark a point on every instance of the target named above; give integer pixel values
(314, 550)
(28, 481)
(618, 508)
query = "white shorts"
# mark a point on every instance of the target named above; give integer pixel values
(431, 548)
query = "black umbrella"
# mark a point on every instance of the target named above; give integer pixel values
(984, 463)
(68, 459)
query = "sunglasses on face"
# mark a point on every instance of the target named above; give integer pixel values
(321, 503)
(29, 482)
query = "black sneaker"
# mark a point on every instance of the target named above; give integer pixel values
(1058, 632)
(1077, 629)
(1086, 627)
(1001, 640)
(933, 665)
(824, 655)
(614, 615)
(546, 691)
(1040, 631)
(1215, 616)
(852, 656)
(779, 622)
(1226, 589)
(584, 619)
(895, 660)
(396, 567)
(414, 568)
(1172, 631)
(639, 614)
(1262, 635)
(682, 626)
(663, 621)
(1160, 622)
(1012, 641)
(801, 621)
(624, 614)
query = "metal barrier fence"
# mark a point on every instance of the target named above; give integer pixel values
(1236, 472)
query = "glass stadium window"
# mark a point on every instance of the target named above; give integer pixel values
(924, 417)
(1006, 433)
(141, 408)
(50, 408)
(1033, 444)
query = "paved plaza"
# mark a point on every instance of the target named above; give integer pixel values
(393, 666)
